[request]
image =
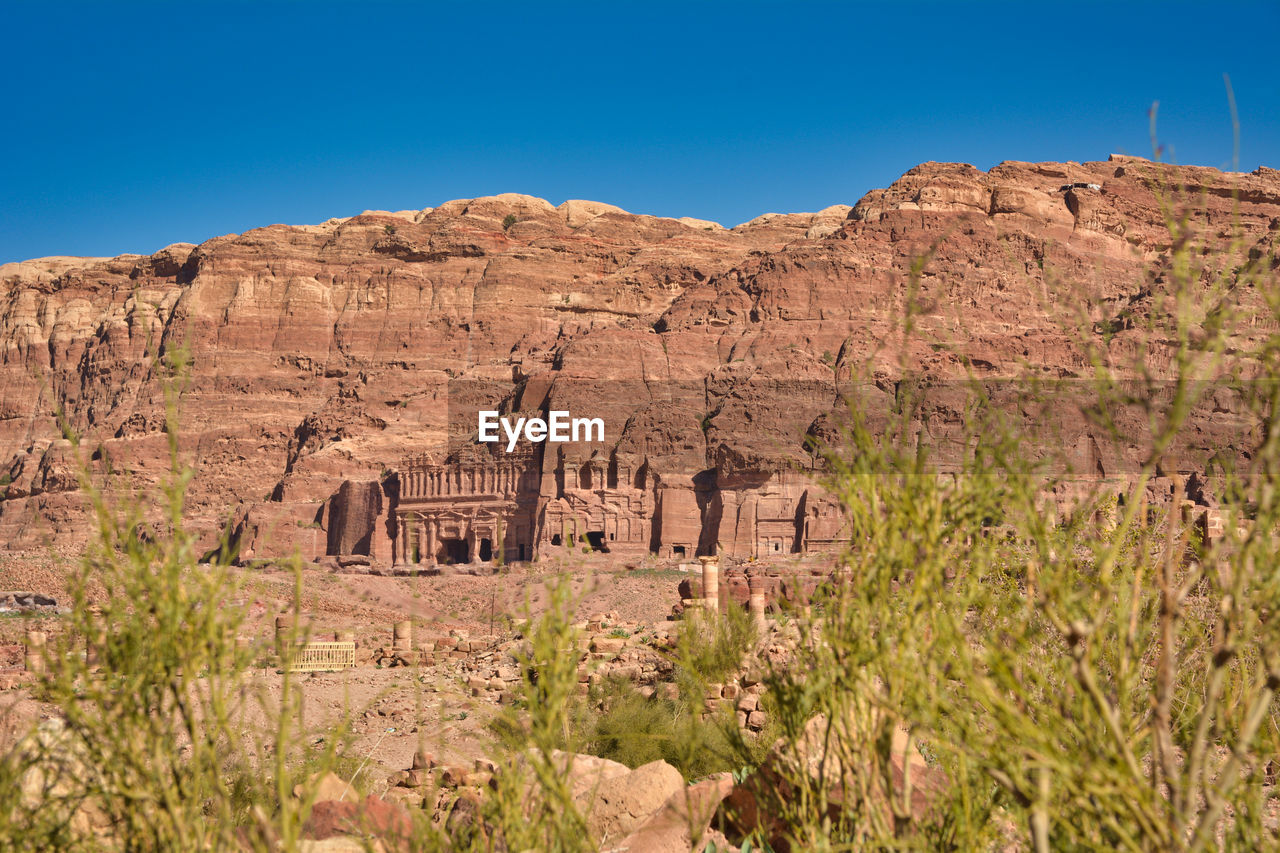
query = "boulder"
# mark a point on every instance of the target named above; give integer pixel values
(681, 821)
(620, 804)
(327, 787)
(388, 822)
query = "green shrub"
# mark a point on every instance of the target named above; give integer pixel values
(708, 650)
(532, 806)
(620, 723)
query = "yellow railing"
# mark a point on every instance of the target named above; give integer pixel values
(323, 657)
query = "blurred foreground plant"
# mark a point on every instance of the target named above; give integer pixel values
(1102, 678)
(164, 738)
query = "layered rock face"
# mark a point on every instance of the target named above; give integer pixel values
(332, 353)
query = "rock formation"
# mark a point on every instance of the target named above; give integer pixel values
(341, 353)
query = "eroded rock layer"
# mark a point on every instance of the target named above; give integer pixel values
(339, 352)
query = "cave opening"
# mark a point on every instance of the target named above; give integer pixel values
(595, 538)
(486, 550)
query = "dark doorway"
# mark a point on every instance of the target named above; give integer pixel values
(520, 552)
(584, 477)
(555, 539)
(486, 550)
(596, 539)
(456, 551)
(677, 550)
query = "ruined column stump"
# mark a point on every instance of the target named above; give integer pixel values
(711, 582)
(96, 637)
(756, 601)
(284, 626)
(34, 659)
(402, 636)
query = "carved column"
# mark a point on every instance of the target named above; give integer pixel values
(432, 541)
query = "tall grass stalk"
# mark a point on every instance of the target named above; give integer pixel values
(165, 737)
(1099, 678)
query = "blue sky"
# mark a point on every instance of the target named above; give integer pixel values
(128, 126)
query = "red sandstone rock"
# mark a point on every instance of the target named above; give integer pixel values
(371, 817)
(324, 354)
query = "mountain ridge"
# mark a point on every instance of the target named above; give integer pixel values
(324, 353)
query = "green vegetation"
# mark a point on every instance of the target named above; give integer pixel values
(541, 739)
(1099, 680)
(622, 724)
(618, 722)
(508, 221)
(708, 650)
(154, 694)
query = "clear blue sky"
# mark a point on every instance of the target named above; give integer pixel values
(128, 126)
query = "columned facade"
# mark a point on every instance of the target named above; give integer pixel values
(477, 512)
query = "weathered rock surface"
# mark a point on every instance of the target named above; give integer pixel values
(620, 804)
(682, 821)
(324, 354)
(372, 817)
(328, 788)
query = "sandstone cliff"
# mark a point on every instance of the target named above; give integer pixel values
(327, 353)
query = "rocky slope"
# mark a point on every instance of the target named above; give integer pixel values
(325, 353)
